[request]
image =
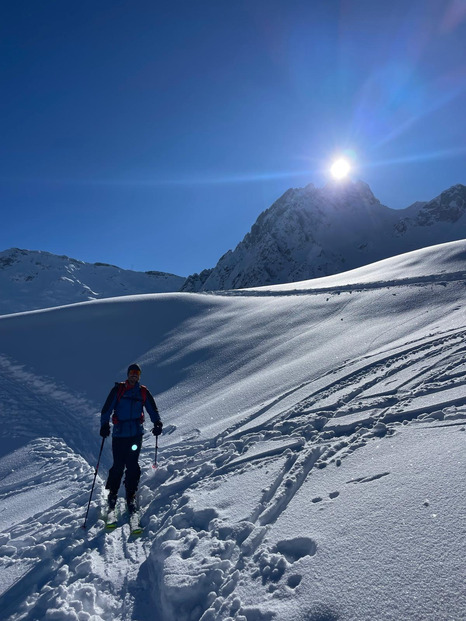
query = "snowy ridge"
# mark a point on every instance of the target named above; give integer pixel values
(31, 280)
(440, 263)
(311, 468)
(312, 232)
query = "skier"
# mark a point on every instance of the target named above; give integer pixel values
(127, 400)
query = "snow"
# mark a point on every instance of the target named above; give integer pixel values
(311, 468)
(312, 232)
(32, 280)
(443, 262)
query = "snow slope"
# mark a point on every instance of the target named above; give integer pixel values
(32, 279)
(312, 232)
(311, 469)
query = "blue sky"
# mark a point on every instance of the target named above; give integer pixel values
(151, 134)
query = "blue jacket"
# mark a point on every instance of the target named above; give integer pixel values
(128, 410)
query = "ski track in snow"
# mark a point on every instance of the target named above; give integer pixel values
(192, 557)
(352, 405)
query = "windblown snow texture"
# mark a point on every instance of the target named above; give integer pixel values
(311, 467)
(312, 232)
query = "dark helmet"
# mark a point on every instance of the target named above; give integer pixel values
(134, 367)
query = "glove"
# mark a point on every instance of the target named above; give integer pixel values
(105, 430)
(158, 426)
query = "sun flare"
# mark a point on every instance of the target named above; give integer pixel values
(340, 168)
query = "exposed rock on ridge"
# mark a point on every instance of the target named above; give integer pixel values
(311, 232)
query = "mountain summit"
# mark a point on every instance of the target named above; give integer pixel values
(311, 232)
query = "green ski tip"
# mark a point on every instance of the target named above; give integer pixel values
(111, 526)
(111, 520)
(135, 532)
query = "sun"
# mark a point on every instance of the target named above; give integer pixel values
(340, 168)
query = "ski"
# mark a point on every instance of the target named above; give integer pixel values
(111, 520)
(135, 524)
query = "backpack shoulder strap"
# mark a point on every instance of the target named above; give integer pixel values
(143, 394)
(121, 389)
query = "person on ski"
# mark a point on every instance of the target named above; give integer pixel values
(126, 401)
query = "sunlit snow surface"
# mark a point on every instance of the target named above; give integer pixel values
(31, 280)
(312, 466)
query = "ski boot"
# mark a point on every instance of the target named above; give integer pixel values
(111, 518)
(131, 503)
(111, 500)
(134, 516)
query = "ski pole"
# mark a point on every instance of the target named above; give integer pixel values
(154, 465)
(93, 483)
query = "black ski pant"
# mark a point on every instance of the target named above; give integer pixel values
(125, 455)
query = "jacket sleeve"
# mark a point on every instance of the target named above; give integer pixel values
(151, 408)
(108, 406)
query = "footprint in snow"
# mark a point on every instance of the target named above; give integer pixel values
(294, 549)
(169, 429)
(332, 495)
(273, 563)
(192, 434)
(294, 581)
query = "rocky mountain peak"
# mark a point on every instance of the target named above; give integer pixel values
(448, 208)
(310, 232)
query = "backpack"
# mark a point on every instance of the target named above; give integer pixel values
(121, 391)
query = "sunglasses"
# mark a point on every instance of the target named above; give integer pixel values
(138, 373)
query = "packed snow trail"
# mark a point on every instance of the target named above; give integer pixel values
(199, 544)
(311, 467)
(50, 567)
